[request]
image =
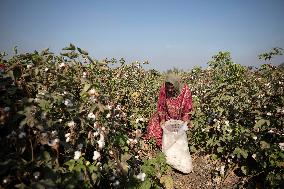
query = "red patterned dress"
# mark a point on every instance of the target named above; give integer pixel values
(169, 108)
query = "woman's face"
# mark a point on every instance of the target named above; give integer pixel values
(170, 89)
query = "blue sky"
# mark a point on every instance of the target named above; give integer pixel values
(168, 34)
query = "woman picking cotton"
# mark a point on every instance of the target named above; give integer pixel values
(174, 107)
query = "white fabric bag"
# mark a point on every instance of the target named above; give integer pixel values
(175, 145)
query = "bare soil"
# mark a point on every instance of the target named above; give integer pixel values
(205, 175)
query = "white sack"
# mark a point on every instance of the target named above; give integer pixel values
(175, 145)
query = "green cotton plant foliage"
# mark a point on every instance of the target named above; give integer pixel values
(84, 119)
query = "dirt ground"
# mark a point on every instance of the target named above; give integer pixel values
(204, 176)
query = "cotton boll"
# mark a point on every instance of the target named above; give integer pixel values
(141, 176)
(84, 74)
(92, 92)
(54, 133)
(29, 66)
(96, 134)
(71, 124)
(61, 65)
(22, 135)
(77, 155)
(101, 142)
(222, 170)
(7, 109)
(68, 103)
(281, 146)
(96, 155)
(36, 175)
(91, 115)
(116, 183)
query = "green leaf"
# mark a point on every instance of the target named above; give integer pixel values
(70, 164)
(244, 169)
(244, 153)
(220, 149)
(71, 47)
(44, 104)
(86, 87)
(15, 49)
(125, 157)
(20, 186)
(90, 59)
(167, 181)
(264, 145)
(46, 156)
(145, 185)
(82, 51)
(214, 157)
(192, 149)
(240, 152)
(4, 166)
(93, 168)
(259, 123)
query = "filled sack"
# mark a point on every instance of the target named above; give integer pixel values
(175, 145)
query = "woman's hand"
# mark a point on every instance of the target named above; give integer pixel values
(190, 125)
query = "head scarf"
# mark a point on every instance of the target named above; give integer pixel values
(175, 80)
